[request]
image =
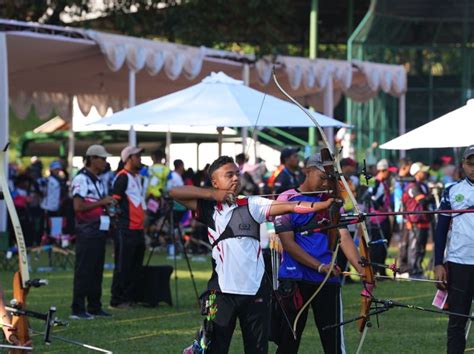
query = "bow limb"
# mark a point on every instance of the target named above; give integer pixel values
(315, 122)
(21, 278)
(20, 239)
(369, 278)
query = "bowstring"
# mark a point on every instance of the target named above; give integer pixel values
(255, 125)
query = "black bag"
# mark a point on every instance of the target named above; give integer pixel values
(154, 285)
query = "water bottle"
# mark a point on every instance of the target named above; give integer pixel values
(111, 210)
(171, 249)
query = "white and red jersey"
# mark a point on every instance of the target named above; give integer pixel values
(233, 230)
(90, 188)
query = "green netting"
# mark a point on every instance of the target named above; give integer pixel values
(434, 40)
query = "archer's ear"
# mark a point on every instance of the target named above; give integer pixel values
(213, 182)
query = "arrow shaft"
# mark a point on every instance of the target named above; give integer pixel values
(421, 212)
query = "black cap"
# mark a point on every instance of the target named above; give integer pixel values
(287, 152)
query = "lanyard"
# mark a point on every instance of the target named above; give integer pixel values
(97, 179)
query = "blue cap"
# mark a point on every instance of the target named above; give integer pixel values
(55, 165)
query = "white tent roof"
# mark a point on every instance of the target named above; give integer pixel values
(219, 100)
(454, 129)
(48, 65)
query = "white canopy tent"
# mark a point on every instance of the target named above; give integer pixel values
(455, 129)
(47, 66)
(219, 100)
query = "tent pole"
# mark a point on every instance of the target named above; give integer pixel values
(402, 120)
(329, 108)
(70, 152)
(245, 130)
(4, 116)
(132, 134)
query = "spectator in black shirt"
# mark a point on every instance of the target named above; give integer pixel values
(290, 176)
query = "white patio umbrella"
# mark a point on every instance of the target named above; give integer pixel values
(454, 129)
(219, 101)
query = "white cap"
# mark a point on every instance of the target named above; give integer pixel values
(417, 167)
(97, 150)
(128, 151)
(382, 165)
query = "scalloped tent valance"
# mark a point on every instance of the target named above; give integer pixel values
(49, 65)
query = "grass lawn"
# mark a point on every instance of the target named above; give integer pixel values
(168, 329)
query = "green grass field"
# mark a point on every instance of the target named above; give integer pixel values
(168, 329)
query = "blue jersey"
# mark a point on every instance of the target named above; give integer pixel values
(315, 244)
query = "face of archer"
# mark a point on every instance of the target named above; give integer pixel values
(468, 167)
(316, 179)
(226, 177)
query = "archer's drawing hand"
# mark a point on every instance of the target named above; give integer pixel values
(223, 195)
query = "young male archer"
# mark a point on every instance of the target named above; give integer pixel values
(237, 285)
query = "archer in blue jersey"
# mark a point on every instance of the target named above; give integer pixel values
(305, 262)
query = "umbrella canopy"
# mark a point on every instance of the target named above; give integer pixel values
(222, 101)
(454, 129)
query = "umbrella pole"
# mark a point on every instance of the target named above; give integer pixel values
(219, 140)
(168, 147)
(246, 80)
(255, 147)
(245, 132)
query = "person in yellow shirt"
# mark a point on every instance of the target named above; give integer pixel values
(156, 179)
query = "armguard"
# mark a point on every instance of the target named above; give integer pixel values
(300, 209)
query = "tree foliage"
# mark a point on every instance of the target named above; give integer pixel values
(44, 11)
(262, 24)
(258, 26)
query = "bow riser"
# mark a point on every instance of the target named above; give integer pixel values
(20, 323)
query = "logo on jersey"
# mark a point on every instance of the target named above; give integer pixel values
(244, 227)
(459, 198)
